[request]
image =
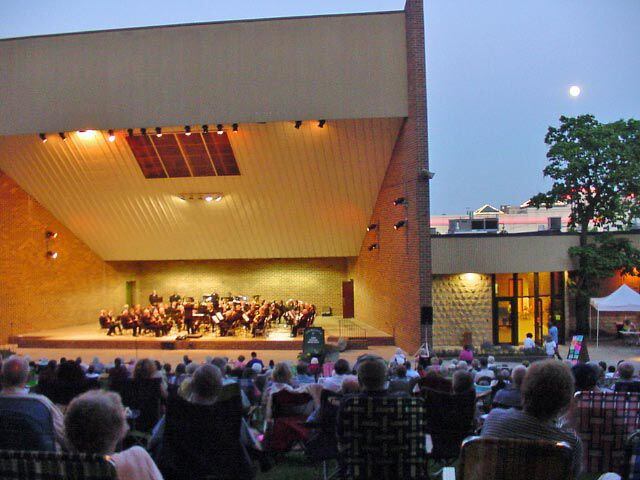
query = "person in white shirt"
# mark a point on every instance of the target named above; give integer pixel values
(399, 358)
(15, 374)
(341, 370)
(550, 347)
(529, 344)
(411, 373)
(484, 370)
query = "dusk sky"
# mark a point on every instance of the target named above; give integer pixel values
(498, 73)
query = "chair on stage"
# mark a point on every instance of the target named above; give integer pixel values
(28, 465)
(289, 414)
(25, 424)
(604, 421)
(482, 458)
(382, 437)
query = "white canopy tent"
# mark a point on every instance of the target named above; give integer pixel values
(624, 299)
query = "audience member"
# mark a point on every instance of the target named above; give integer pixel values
(466, 354)
(302, 375)
(626, 371)
(398, 358)
(550, 346)
(585, 377)
(462, 382)
(484, 371)
(255, 359)
(400, 383)
(511, 397)
(95, 423)
(529, 343)
(411, 373)
(341, 370)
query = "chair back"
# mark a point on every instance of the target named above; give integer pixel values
(25, 465)
(631, 470)
(604, 421)
(449, 419)
(25, 424)
(203, 441)
(507, 459)
(631, 386)
(323, 444)
(144, 396)
(291, 404)
(382, 437)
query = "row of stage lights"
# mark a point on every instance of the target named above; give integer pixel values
(49, 237)
(158, 131)
(396, 226)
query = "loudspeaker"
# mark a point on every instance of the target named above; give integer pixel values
(426, 315)
(168, 345)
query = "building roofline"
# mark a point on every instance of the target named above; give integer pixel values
(546, 233)
(199, 24)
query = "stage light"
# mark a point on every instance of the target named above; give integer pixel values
(373, 226)
(234, 127)
(373, 246)
(187, 130)
(112, 136)
(86, 134)
(49, 234)
(399, 225)
(218, 197)
(52, 255)
(212, 197)
(158, 132)
(399, 201)
(208, 198)
(62, 136)
(143, 131)
(220, 129)
(43, 137)
(298, 124)
(321, 123)
(130, 132)
(205, 128)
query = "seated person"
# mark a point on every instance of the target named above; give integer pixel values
(484, 371)
(626, 381)
(629, 326)
(372, 377)
(529, 343)
(15, 374)
(400, 383)
(511, 396)
(302, 375)
(95, 423)
(462, 382)
(547, 391)
(341, 371)
(586, 377)
(466, 354)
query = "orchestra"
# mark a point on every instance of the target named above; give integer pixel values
(221, 316)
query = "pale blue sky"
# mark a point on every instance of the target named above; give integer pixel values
(498, 72)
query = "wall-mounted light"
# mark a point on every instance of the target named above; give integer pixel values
(321, 123)
(43, 137)
(52, 254)
(207, 197)
(50, 235)
(234, 127)
(187, 130)
(62, 136)
(112, 136)
(158, 132)
(399, 225)
(205, 128)
(220, 129)
(373, 246)
(399, 201)
(143, 131)
(130, 132)
(372, 226)
(298, 124)
(86, 134)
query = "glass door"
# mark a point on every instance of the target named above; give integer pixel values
(504, 321)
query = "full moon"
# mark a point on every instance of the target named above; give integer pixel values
(574, 90)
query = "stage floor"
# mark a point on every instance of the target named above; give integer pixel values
(92, 337)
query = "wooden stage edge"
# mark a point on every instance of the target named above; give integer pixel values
(91, 337)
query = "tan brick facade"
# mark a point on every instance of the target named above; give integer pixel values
(462, 303)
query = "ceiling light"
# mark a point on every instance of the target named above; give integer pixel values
(298, 124)
(373, 226)
(220, 129)
(208, 198)
(399, 225)
(52, 255)
(143, 131)
(321, 123)
(86, 134)
(62, 136)
(130, 132)
(112, 136)
(399, 201)
(43, 137)
(205, 128)
(158, 132)
(187, 130)
(50, 234)
(373, 246)
(235, 128)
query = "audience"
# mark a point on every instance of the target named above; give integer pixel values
(462, 382)
(341, 371)
(485, 371)
(585, 377)
(511, 396)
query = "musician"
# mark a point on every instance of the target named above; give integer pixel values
(175, 298)
(301, 323)
(106, 321)
(154, 298)
(189, 321)
(129, 320)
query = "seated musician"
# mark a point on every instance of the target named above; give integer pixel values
(302, 323)
(260, 319)
(128, 320)
(175, 298)
(149, 322)
(107, 321)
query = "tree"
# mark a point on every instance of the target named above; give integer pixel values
(595, 168)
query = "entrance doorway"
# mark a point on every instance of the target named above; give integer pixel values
(130, 293)
(347, 299)
(525, 303)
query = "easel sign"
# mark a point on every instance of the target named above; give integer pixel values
(578, 352)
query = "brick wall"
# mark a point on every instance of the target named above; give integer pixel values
(317, 281)
(36, 292)
(462, 303)
(393, 282)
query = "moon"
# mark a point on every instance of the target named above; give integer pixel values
(574, 91)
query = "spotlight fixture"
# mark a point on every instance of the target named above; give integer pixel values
(187, 130)
(51, 235)
(86, 134)
(52, 255)
(112, 136)
(205, 128)
(62, 136)
(373, 246)
(143, 131)
(220, 129)
(321, 123)
(158, 132)
(371, 227)
(130, 132)
(43, 137)
(399, 225)
(234, 127)
(208, 198)
(298, 124)
(399, 201)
